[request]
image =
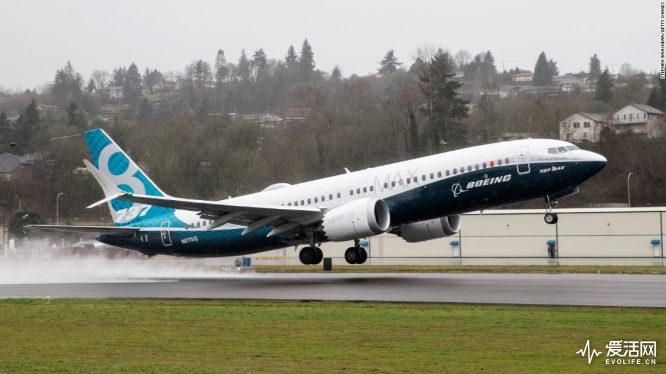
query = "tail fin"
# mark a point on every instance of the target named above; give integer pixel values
(114, 163)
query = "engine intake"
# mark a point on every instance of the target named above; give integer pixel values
(356, 219)
(431, 229)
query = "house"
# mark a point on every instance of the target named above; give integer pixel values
(639, 119)
(583, 127)
(572, 82)
(115, 92)
(522, 77)
(15, 167)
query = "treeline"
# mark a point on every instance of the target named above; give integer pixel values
(188, 131)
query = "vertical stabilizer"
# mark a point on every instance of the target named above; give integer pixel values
(113, 162)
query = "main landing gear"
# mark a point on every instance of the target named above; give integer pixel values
(356, 254)
(550, 217)
(311, 255)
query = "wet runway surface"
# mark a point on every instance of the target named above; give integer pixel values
(538, 289)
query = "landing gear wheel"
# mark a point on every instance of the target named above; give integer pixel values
(550, 218)
(356, 255)
(351, 255)
(307, 255)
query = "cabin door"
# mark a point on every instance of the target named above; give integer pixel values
(523, 160)
(165, 234)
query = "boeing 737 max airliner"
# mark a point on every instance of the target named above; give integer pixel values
(418, 200)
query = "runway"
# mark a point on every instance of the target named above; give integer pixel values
(535, 289)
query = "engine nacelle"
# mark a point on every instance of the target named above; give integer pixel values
(431, 229)
(356, 219)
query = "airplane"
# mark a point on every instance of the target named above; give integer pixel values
(418, 200)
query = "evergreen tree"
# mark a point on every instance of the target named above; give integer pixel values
(243, 68)
(151, 79)
(306, 62)
(657, 98)
(118, 76)
(221, 70)
(132, 85)
(90, 88)
(604, 86)
(199, 73)
(336, 74)
(488, 71)
(67, 85)
(595, 68)
(445, 109)
(389, 64)
(260, 62)
(27, 126)
(292, 59)
(75, 117)
(544, 71)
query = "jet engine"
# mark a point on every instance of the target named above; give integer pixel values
(356, 219)
(430, 229)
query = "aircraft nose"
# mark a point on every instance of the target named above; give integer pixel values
(595, 157)
(595, 161)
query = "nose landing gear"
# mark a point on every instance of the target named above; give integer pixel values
(550, 217)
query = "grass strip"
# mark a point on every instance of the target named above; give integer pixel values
(267, 336)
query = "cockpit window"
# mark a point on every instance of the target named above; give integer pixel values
(557, 150)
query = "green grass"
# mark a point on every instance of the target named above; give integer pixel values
(264, 336)
(549, 269)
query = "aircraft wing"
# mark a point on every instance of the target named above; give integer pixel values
(108, 230)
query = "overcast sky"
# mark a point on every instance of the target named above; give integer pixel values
(37, 37)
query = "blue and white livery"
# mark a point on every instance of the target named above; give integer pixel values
(418, 200)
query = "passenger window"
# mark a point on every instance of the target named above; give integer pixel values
(338, 195)
(365, 189)
(506, 160)
(462, 169)
(423, 177)
(385, 185)
(392, 184)
(432, 176)
(409, 180)
(447, 173)
(455, 171)
(439, 174)
(316, 200)
(309, 201)
(358, 190)
(351, 192)
(372, 188)
(499, 162)
(302, 202)
(469, 167)
(289, 204)
(484, 165)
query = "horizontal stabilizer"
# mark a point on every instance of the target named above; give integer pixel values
(107, 230)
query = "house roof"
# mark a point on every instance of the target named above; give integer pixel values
(597, 117)
(647, 108)
(9, 162)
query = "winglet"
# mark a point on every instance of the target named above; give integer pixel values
(111, 191)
